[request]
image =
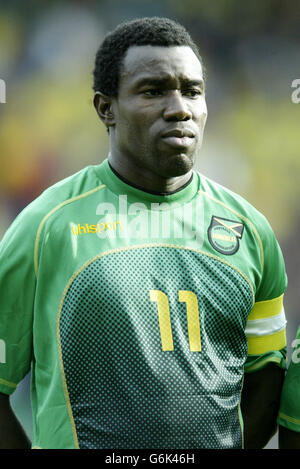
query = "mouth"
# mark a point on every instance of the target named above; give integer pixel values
(178, 137)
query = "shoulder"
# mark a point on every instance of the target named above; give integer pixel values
(261, 239)
(236, 204)
(28, 221)
(59, 194)
(67, 190)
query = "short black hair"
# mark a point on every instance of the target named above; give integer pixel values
(155, 31)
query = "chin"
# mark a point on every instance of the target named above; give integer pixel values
(177, 165)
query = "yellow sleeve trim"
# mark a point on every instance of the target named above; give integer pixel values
(267, 343)
(261, 364)
(7, 383)
(266, 309)
(288, 418)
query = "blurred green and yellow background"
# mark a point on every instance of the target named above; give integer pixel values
(49, 129)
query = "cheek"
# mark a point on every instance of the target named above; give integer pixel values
(133, 134)
(125, 128)
(130, 122)
(201, 112)
(138, 115)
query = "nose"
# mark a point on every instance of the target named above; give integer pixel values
(176, 107)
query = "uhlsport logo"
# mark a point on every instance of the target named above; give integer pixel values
(224, 235)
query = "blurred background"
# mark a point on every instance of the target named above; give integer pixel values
(49, 129)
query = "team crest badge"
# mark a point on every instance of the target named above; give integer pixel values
(224, 235)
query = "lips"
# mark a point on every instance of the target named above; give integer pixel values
(178, 137)
(180, 133)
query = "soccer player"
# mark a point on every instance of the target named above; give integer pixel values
(289, 414)
(146, 298)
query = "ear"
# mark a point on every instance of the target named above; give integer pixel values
(103, 106)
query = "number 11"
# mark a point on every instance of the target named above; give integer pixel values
(164, 319)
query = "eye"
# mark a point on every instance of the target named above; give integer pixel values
(152, 92)
(192, 93)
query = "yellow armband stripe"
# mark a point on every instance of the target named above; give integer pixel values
(266, 309)
(258, 345)
(266, 327)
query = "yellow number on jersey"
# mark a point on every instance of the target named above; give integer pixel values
(164, 319)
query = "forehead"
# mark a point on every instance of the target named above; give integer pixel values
(178, 62)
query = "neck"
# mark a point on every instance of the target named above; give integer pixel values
(146, 180)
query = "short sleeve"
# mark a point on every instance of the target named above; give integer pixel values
(289, 413)
(17, 290)
(266, 324)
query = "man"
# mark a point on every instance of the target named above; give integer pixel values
(131, 288)
(289, 414)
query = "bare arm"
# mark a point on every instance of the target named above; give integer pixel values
(12, 435)
(260, 405)
(288, 439)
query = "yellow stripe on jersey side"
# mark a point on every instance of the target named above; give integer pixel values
(257, 345)
(266, 309)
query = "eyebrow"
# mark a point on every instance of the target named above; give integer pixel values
(164, 80)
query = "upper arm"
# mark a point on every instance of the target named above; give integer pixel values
(266, 324)
(288, 439)
(17, 290)
(4, 399)
(12, 435)
(289, 413)
(260, 403)
(5, 409)
(264, 386)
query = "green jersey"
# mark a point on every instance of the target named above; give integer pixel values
(289, 414)
(138, 313)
